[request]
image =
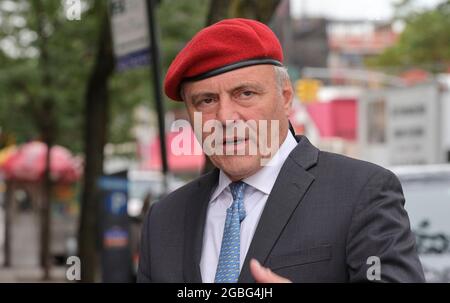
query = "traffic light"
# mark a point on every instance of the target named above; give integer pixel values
(307, 90)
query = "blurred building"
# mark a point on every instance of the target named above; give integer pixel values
(321, 42)
(386, 119)
(352, 41)
(305, 40)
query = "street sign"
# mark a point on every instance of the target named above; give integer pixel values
(130, 33)
(135, 41)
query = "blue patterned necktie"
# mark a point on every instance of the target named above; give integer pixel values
(229, 258)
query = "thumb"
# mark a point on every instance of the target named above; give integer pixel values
(265, 275)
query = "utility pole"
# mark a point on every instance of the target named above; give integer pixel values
(156, 71)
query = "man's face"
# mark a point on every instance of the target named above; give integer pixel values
(236, 100)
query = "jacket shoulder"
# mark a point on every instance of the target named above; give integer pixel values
(345, 170)
(177, 199)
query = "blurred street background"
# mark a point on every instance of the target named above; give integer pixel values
(82, 79)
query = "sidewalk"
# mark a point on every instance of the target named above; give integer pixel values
(24, 258)
(29, 274)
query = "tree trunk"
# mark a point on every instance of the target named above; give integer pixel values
(96, 113)
(47, 126)
(250, 9)
(46, 209)
(218, 10)
(46, 214)
(8, 205)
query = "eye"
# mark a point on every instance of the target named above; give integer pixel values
(246, 94)
(205, 101)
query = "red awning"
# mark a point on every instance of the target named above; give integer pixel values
(181, 158)
(337, 118)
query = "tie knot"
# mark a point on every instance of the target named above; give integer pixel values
(237, 190)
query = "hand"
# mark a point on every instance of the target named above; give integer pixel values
(265, 275)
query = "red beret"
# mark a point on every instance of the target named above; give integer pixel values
(224, 46)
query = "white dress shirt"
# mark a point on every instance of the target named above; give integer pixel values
(256, 193)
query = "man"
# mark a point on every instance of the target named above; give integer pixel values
(288, 213)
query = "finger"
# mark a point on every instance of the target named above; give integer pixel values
(265, 275)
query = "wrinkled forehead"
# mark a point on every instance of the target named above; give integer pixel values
(258, 75)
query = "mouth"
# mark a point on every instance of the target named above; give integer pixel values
(235, 146)
(234, 141)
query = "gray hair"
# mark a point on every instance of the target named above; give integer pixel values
(281, 76)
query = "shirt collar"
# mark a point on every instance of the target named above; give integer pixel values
(224, 181)
(264, 179)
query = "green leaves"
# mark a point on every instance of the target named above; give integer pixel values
(423, 43)
(28, 84)
(27, 81)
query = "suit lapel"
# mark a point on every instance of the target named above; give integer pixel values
(194, 224)
(291, 185)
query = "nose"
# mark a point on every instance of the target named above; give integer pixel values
(227, 111)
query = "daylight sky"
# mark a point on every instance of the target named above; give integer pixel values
(351, 9)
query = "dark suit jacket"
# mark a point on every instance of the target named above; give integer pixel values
(326, 215)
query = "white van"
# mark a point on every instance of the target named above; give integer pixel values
(427, 193)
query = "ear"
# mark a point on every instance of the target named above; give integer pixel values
(288, 96)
